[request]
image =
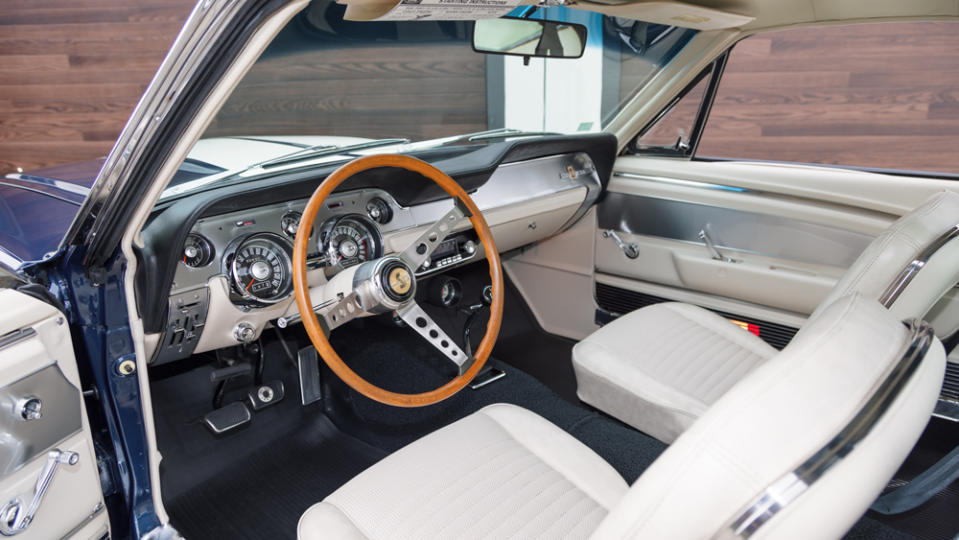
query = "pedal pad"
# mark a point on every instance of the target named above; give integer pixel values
(485, 377)
(308, 363)
(265, 395)
(227, 418)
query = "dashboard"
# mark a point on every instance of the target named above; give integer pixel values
(232, 275)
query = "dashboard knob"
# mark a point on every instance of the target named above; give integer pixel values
(244, 332)
(470, 247)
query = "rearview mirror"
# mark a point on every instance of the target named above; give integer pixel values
(527, 37)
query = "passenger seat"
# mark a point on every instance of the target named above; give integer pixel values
(660, 367)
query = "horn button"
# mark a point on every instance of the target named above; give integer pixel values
(397, 281)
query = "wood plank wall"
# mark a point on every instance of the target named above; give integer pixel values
(71, 72)
(373, 92)
(878, 95)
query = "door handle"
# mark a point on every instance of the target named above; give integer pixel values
(713, 251)
(13, 518)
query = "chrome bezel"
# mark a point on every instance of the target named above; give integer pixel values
(285, 251)
(329, 225)
(211, 251)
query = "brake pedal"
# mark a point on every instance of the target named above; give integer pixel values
(227, 418)
(265, 395)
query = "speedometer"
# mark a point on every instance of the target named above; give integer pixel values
(349, 240)
(261, 269)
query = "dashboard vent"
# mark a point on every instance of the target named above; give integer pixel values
(950, 387)
(619, 301)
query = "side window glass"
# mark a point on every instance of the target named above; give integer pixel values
(879, 96)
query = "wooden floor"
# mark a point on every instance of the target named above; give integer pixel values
(72, 71)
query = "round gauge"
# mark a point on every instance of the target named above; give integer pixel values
(349, 240)
(379, 211)
(197, 251)
(262, 271)
(450, 293)
(290, 222)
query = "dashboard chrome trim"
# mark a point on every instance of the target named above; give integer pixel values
(510, 184)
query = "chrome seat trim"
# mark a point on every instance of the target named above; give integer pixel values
(789, 487)
(905, 277)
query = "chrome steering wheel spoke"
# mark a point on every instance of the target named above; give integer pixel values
(418, 320)
(343, 311)
(420, 250)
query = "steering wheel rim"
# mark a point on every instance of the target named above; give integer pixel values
(305, 305)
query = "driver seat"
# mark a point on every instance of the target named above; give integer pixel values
(799, 448)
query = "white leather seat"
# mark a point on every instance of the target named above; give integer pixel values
(505, 472)
(660, 367)
(502, 472)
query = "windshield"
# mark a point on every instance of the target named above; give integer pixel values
(326, 82)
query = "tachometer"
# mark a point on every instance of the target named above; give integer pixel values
(261, 268)
(349, 240)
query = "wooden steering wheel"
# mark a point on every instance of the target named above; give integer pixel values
(389, 284)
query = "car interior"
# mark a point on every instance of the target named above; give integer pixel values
(543, 334)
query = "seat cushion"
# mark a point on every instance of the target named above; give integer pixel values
(502, 472)
(770, 432)
(660, 367)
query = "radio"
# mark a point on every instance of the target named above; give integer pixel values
(450, 252)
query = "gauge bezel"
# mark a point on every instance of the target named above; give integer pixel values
(329, 225)
(210, 250)
(289, 214)
(285, 250)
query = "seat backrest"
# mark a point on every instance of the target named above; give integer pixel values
(925, 239)
(812, 436)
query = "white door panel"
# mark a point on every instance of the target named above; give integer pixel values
(793, 230)
(893, 195)
(37, 363)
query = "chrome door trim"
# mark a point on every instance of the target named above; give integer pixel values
(686, 183)
(789, 487)
(905, 277)
(12, 338)
(739, 230)
(97, 510)
(22, 440)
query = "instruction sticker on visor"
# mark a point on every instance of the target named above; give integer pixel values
(449, 10)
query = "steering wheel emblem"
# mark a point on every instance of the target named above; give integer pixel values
(400, 280)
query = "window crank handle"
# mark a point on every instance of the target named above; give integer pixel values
(631, 250)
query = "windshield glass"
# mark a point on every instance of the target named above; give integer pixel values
(326, 82)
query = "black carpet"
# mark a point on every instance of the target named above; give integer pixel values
(401, 361)
(937, 518)
(255, 483)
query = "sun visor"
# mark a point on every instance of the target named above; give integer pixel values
(426, 10)
(668, 13)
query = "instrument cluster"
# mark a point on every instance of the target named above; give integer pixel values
(257, 260)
